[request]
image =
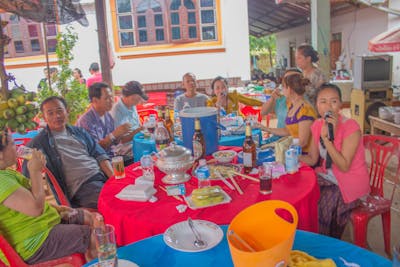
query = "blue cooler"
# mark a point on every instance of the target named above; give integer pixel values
(208, 122)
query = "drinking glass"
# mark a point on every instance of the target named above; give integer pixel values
(118, 167)
(106, 246)
(396, 255)
(24, 152)
(265, 172)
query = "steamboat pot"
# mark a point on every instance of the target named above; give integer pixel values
(175, 160)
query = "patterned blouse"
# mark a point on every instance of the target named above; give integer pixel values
(317, 78)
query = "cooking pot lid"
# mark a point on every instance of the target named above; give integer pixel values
(174, 152)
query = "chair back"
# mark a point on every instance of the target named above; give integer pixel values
(251, 111)
(381, 148)
(56, 188)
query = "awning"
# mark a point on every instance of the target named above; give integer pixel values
(388, 41)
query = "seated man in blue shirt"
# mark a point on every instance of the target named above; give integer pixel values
(99, 123)
(80, 165)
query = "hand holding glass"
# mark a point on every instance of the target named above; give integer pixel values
(24, 152)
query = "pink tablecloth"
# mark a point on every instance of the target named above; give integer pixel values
(134, 221)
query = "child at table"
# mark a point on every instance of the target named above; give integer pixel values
(343, 176)
(37, 231)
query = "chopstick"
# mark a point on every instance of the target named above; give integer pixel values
(241, 240)
(165, 190)
(245, 176)
(228, 184)
(236, 185)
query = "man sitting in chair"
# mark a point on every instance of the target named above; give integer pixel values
(99, 123)
(80, 165)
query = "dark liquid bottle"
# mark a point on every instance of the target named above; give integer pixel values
(199, 145)
(249, 151)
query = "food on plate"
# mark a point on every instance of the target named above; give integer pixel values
(301, 259)
(207, 196)
(224, 156)
(224, 170)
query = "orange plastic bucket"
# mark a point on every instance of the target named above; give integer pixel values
(263, 227)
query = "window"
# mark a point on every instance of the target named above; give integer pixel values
(27, 38)
(151, 22)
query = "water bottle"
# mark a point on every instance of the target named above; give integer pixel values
(291, 161)
(161, 136)
(295, 145)
(203, 174)
(147, 164)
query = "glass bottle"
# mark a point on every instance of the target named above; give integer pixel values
(203, 174)
(169, 124)
(161, 136)
(199, 145)
(249, 151)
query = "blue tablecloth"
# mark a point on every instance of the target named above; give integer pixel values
(29, 134)
(154, 252)
(141, 144)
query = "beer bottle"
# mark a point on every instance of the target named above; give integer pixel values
(169, 124)
(249, 151)
(199, 145)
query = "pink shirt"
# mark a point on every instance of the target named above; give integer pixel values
(354, 183)
(95, 78)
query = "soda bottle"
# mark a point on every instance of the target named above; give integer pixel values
(169, 124)
(291, 161)
(199, 146)
(203, 174)
(295, 145)
(147, 164)
(249, 151)
(161, 136)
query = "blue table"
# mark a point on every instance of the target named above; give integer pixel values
(141, 144)
(29, 134)
(153, 251)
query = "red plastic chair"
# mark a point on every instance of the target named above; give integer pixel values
(15, 260)
(57, 191)
(146, 113)
(249, 110)
(382, 149)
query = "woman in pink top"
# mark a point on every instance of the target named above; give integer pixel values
(343, 176)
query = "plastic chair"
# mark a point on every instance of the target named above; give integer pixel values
(146, 113)
(15, 260)
(59, 195)
(382, 149)
(250, 111)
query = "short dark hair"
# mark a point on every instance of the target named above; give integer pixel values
(332, 86)
(292, 70)
(189, 74)
(308, 51)
(79, 72)
(53, 98)
(95, 90)
(94, 66)
(219, 78)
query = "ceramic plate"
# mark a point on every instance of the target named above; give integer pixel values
(121, 263)
(223, 169)
(180, 237)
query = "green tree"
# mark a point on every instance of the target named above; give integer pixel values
(263, 45)
(75, 94)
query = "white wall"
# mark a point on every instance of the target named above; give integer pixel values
(234, 62)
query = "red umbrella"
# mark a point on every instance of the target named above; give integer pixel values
(388, 41)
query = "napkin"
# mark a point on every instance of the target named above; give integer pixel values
(136, 192)
(301, 259)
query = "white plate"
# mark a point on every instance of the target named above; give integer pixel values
(121, 263)
(180, 237)
(191, 205)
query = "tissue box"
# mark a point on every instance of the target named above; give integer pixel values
(136, 192)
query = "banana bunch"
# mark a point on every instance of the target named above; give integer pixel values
(207, 196)
(17, 112)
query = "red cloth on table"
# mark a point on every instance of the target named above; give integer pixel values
(134, 220)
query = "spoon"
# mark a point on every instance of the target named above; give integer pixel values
(198, 242)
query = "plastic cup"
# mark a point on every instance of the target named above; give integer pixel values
(396, 255)
(106, 246)
(24, 152)
(265, 172)
(118, 167)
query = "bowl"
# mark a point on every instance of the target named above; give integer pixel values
(224, 156)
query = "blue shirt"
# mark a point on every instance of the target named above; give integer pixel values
(281, 111)
(98, 129)
(121, 114)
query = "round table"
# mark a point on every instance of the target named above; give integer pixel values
(141, 144)
(152, 252)
(137, 220)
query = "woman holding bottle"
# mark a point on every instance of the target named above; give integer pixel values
(343, 176)
(228, 102)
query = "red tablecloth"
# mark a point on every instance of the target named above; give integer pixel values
(134, 221)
